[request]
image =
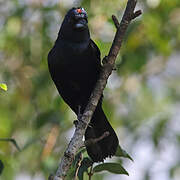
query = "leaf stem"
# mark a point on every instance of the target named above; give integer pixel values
(90, 174)
(78, 166)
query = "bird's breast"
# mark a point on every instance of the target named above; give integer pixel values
(76, 63)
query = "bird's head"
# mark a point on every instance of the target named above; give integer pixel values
(77, 18)
(75, 24)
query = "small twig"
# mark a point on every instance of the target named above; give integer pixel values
(78, 166)
(90, 174)
(91, 141)
(115, 20)
(136, 14)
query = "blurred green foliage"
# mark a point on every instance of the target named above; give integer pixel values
(141, 99)
(3, 86)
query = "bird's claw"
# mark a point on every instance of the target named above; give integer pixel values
(75, 122)
(79, 118)
(105, 60)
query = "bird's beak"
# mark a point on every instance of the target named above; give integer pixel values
(81, 24)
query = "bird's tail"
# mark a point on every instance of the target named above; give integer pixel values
(98, 128)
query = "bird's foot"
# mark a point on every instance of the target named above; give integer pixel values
(105, 60)
(84, 122)
(75, 122)
(79, 118)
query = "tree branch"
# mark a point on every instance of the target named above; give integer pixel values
(76, 141)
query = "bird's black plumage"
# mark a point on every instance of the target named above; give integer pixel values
(74, 65)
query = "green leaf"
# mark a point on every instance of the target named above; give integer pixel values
(3, 86)
(115, 168)
(159, 131)
(72, 170)
(174, 169)
(1, 167)
(122, 153)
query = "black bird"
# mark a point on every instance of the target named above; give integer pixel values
(74, 64)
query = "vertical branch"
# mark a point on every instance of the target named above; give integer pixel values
(76, 141)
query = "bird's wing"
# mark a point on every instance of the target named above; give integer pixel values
(95, 50)
(98, 57)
